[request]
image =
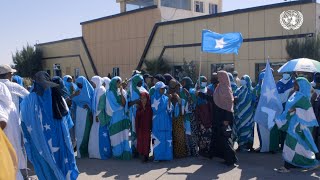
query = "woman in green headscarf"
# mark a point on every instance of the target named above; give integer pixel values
(119, 123)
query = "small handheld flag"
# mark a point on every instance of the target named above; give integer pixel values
(228, 43)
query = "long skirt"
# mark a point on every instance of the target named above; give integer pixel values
(194, 139)
(83, 127)
(99, 142)
(179, 138)
(162, 145)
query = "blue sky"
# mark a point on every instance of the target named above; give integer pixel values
(39, 21)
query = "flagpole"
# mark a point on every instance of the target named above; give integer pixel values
(200, 64)
(199, 70)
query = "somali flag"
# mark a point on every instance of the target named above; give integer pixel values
(269, 105)
(228, 43)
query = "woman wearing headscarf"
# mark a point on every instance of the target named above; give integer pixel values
(161, 124)
(99, 141)
(71, 87)
(204, 117)
(8, 159)
(45, 124)
(134, 97)
(222, 128)
(119, 127)
(298, 120)
(106, 82)
(168, 78)
(10, 123)
(178, 130)
(84, 108)
(156, 79)
(188, 94)
(67, 93)
(234, 86)
(244, 113)
(143, 124)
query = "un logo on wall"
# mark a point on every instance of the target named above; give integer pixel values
(291, 19)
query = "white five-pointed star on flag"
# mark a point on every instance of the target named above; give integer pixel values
(170, 143)
(47, 127)
(105, 149)
(29, 129)
(156, 103)
(269, 94)
(220, 43)
(53, 149)
(105, 134)
(66, 160)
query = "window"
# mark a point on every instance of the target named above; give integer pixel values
(57, 70)
(229, 67)
(115, 72)
(275, 66)
(198, 6)
(213, 8)
(49, 72)
(179, 4)
(76, 72)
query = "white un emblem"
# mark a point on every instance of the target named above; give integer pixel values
(291, 19)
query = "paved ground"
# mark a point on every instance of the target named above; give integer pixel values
(251, 166)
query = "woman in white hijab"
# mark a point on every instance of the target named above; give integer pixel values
(10, 123)
(99, 141)
(106, 81)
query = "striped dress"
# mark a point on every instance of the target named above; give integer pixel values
(244, 113)
(299, 147)
(119, 127)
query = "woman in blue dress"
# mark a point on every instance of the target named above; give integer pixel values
(45, 124)
(119, 127)
(161, 124)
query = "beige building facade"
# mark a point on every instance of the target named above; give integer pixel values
(260, 27)
(67, 57)
(120, 43)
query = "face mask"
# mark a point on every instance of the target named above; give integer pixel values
(313, 84)
(285, 76)
(203, 84)
(243, 82)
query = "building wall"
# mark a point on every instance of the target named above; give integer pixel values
(119, 41)
(254, 24)
(67, 53)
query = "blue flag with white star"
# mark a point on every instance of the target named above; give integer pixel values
(269, 105)
(228, 43)
(47, 140)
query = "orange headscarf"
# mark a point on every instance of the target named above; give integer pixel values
(8, 158)
(223, 96)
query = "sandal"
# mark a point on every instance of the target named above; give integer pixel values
(282, 170)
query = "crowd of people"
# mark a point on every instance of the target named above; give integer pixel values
(154, 118)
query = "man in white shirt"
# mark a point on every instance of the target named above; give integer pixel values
(17, 91)
(10, 123)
